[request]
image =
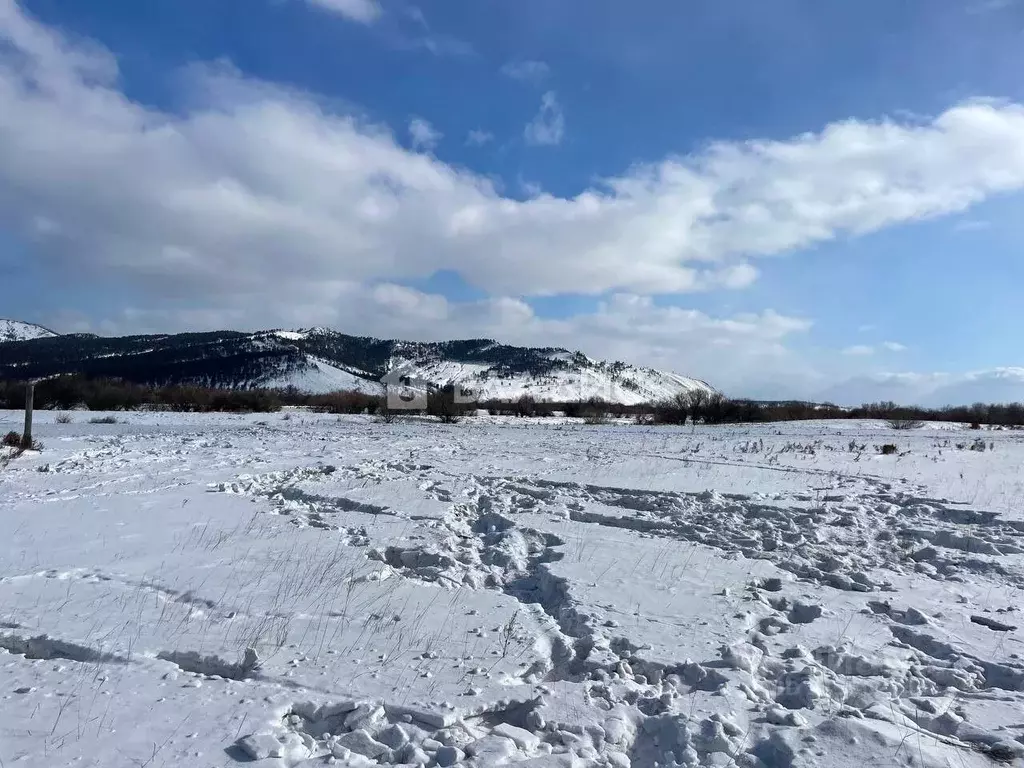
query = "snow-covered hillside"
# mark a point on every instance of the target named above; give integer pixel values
(320, 360)
(220, 590)
(317, 376)
(581, 379)
(15, 330)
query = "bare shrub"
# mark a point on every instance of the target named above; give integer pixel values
(386, 415)
(441, 403)
(63, 418)
(595, 411)
(345, 402)
(103, 420)
(675, 410)
(699, 400)
(905, 424)
(16, 441)
(695, 405)
(526, 405)
(573, 410)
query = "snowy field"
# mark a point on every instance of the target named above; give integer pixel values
(214, 590)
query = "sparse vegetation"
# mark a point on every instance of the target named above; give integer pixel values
(69, 392)
(526, 405)
(386, 415)
(508, 633)
(441, 403)
(103, 420)
(63, 418)
(698, 406)
(904, 424)
(17, 441)
(675, 410)
(595, 411)
(344, 402)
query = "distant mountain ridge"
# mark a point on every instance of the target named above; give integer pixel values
(322, 360)
(16, 330)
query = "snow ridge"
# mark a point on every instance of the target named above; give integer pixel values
(15, 330)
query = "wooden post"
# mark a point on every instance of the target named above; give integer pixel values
(26, 435)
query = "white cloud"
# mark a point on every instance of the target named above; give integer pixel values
(996, 385)
(423, 135)
(254, 171)
(257, 203)
(527, 71)
(859, 350)
(548, 127)
(865, 350)
(477, 138)
(363, 11)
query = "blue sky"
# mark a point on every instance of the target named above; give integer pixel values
(788, 199)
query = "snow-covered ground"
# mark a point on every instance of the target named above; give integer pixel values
(205, 590)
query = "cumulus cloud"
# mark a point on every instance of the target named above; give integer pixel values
(363, 11)
(423, 135)
(527, 71)
(215, 197)
(893, 346)
(259, 205)
(548, 127)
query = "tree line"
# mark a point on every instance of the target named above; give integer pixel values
(697, 406)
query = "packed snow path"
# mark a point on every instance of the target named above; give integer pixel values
(302, 590)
